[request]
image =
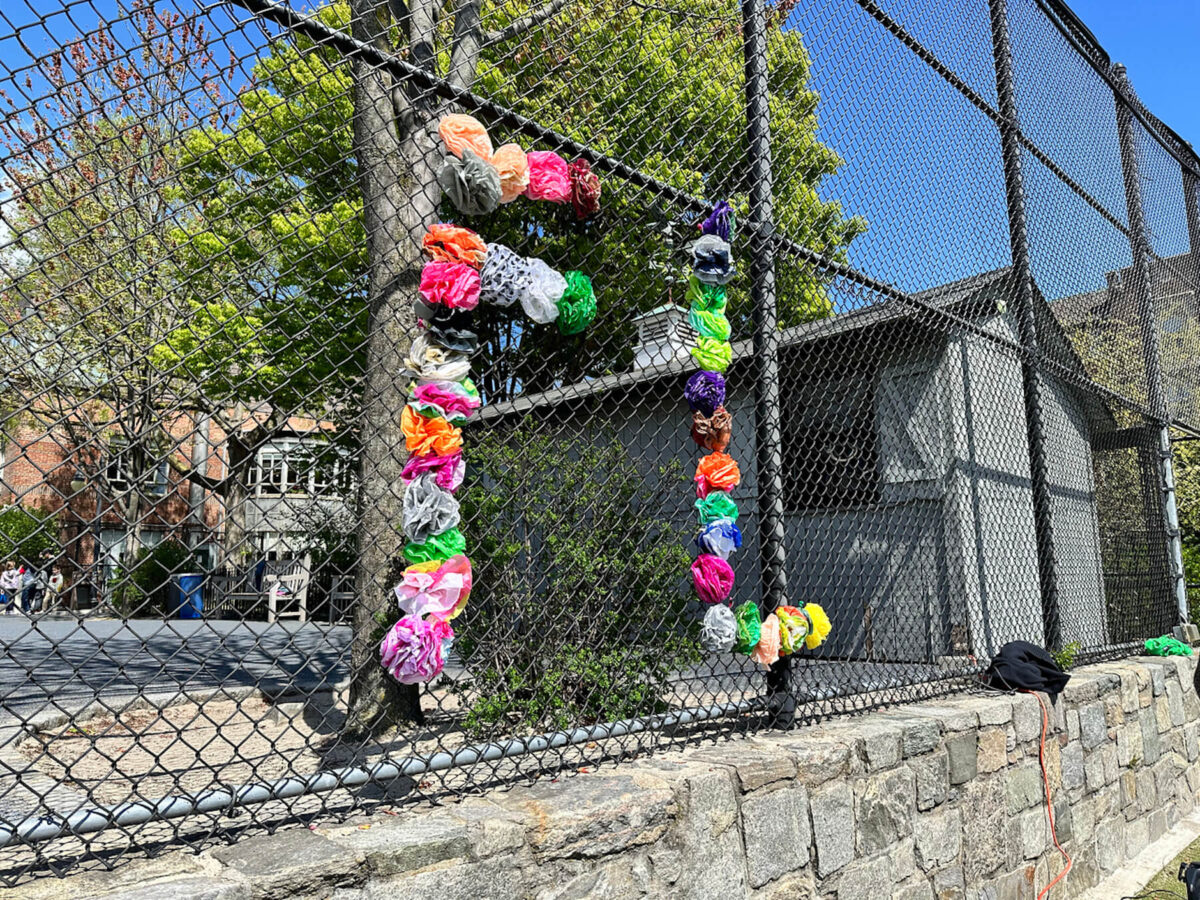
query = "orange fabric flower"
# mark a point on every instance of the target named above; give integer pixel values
(429, 437)
(512, 164)
(460, 132)
(450, 243)
(716, 472)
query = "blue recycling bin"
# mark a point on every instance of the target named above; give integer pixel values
(189, 595)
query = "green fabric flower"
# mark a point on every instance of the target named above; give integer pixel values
(440, 546)
(709, 324)
(1167, 646)
(577, 305)
(706, 297)
(712, 354)
(717, 505)
(749, 627)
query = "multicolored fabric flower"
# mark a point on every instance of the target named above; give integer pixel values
(709, 324)
(451, 284)
(549, 177)
(513, 167)
(448, 471)
(712, 260)
(470, 183)
(461, 132)
(585, 189)
(428, 509)
(719, 538)
(438, 398)
(705, 391)
(412, 651)
(453, 244)
(436, 589)
(505, 276)
(716, 472)
(718, 631)
(793, 628)
(577, 305)
(706, 297)
(712, 577)
(433, 363)
(712, 432)
(429, 437)
(766, 651)
(439, 546)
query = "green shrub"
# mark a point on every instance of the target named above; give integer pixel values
(25, 533)
(147, 589)
(577, 613)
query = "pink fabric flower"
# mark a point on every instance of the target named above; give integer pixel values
(713, 578)
(766, 651)
(436, 588)
(412, 651)
(451, 402)
(453, 285)
(549, 177)
(450, 470)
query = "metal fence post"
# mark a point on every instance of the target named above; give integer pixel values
(1146, 307)
(768, 435)
(1023, 310)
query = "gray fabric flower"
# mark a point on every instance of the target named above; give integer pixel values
(542, 292)
(428, 509)
(472, 184)
(456, 340)
(504, 276)
(712, 260)
(718, 632)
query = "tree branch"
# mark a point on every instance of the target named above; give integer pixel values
(464, 55)
(526, 23)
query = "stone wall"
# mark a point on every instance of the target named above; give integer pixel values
(943, 799)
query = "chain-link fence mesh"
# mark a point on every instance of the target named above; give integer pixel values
(964, 319)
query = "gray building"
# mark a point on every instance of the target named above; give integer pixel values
(909, 510)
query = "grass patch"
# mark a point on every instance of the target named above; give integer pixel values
(1168, 878)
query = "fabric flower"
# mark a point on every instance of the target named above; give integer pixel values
(577, 305)
(412, 652)
(719, 538)
(505, 276)
(821, 626)
(542, 292)
(712, 432)
(720, 222)
(718, 632)
(461, 132)
(549, 177)
(717, 505)
(448, 471)
(794, 626)
(428, 361)
(766, 651)
(429, 437)
(450, 284)
(705, 391)
(437, 589)
(513, 167)
(749, 627)
(452, 244)
(471, 183)
(439, 546)
(712, 260)
(428, 509)
(710, 324)
(706, 297)
(456, 340)
(585, 189)
(716, 472)
(438, 398)
(712, 577)
(712, 355)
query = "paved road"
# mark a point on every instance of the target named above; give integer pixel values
(69, 663)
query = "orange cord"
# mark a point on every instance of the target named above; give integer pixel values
(1049, 804)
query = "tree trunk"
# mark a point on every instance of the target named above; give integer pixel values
(397, 162)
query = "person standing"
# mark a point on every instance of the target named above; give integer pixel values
(29, 587)
(10, 587)
(54, 589)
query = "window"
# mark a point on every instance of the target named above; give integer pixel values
(271, 472)
(298, 466)
(120, 474)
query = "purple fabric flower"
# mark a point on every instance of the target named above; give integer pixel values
(719, 222)
(705, 391)
(412, 650)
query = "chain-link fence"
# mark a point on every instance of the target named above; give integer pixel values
(964, 332)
